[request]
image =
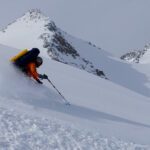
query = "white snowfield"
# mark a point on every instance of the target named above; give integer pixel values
(102, 114)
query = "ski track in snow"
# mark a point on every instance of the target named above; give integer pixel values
(23, 132)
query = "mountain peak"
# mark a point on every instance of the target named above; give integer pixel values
(138, 56)
(34, 15)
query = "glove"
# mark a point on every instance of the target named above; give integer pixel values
(44, 76)
(39, 81)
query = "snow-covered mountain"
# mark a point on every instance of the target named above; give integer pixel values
(138, 56)
(102, 114)
(36, 30)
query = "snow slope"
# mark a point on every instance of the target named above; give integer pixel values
(34, 116)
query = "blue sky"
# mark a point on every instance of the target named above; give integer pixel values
(114, 25)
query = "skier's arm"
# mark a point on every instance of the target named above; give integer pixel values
(33, 72)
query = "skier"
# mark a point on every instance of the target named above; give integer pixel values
(28, 61)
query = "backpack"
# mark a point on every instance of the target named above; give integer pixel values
(20, 54)
(27, 57)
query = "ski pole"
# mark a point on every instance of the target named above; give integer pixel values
(66, 102)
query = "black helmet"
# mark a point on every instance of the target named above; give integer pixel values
(35, 49)
(39, 61)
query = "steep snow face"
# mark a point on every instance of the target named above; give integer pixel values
(39, 133)
(36, 30)
(21, 131)
(138, 56)
(35, 114)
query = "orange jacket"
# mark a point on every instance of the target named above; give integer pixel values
(31, 70)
